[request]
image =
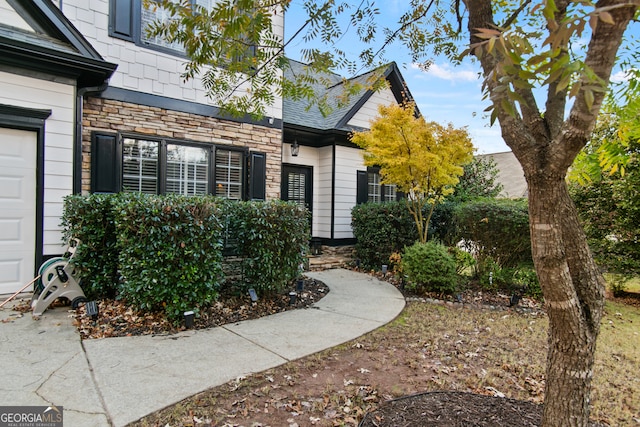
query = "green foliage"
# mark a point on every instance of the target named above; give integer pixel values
(478, 180)
(170, 252)
(90, 219)
(496, 229)
(423, 159)
(380, 230)
(272, 238)
(428, 267)
(464, 260)
(610, 213)
(521, 280)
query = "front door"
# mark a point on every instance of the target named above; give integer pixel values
(297, 185)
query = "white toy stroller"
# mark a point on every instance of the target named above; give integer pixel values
(57, 280)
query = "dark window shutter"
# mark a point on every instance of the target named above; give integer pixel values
(257, 176)
(106, 163)
(399, 195)
(121, 19)
(362, 192)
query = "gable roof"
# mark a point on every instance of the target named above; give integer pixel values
(54, 46)
(331, 86)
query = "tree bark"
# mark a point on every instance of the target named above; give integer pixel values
(546, 146)
(574, 299)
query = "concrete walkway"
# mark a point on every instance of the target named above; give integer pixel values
(115, 381)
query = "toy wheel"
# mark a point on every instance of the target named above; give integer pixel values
(77, 301)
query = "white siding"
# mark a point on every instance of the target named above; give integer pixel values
(29, 92)
(8, 16)
(320, 161)
(141, 69)
(322, 190)
(348, 162)
(369, 110)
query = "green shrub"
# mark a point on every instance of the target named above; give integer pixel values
(90, 220)
(429, 268)
(170, 252)
(464, 260)
(496, 229)
(381, 229)
(522, 279)
(272, 238)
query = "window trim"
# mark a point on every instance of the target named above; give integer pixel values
(162, 160)
(362, 179)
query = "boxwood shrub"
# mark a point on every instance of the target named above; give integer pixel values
(429, 267)
(495, 229)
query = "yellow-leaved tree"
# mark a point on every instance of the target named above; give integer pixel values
(423, 159)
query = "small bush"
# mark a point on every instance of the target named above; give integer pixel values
(429, 268)
(90, 220)
(380, 230)
(272, 238)
(170, 252)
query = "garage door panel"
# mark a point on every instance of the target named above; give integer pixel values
(18, 153)
(11, 273)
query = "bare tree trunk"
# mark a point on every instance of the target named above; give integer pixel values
(574, 298)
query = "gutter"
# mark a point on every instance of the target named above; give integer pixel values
(77, 137)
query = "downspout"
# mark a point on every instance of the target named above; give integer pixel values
(77, 146)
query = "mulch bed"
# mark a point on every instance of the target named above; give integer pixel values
(116, 319)
(453, 409)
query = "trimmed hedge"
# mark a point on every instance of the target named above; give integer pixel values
(380, 230)
(90, 219)
(271, 238)
(170, 251)
(165, 253)
(496, 229)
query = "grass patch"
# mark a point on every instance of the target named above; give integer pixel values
(429, 347)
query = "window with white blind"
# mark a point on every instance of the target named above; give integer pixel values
(130, 19)
(187, 170)
(369, 188)
(374, 189)
(229, 173)
(140, 165)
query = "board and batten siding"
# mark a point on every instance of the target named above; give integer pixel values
(142, 69)
(322, 191)
(348, 161)
(28, 92)
(369, 110)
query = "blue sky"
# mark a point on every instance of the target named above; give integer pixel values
(445, 93)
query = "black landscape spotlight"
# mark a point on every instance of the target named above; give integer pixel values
(91, 307)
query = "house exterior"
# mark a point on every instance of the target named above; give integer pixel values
(510, 175)
(45, 66)
(328, 174)
(89, 103)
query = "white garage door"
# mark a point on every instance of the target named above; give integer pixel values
(18, 152)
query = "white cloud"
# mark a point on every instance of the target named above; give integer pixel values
(620, 77)
(447, 72)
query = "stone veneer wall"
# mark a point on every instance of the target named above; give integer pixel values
(115, 116)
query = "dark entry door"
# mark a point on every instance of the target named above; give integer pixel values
(297, 185)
